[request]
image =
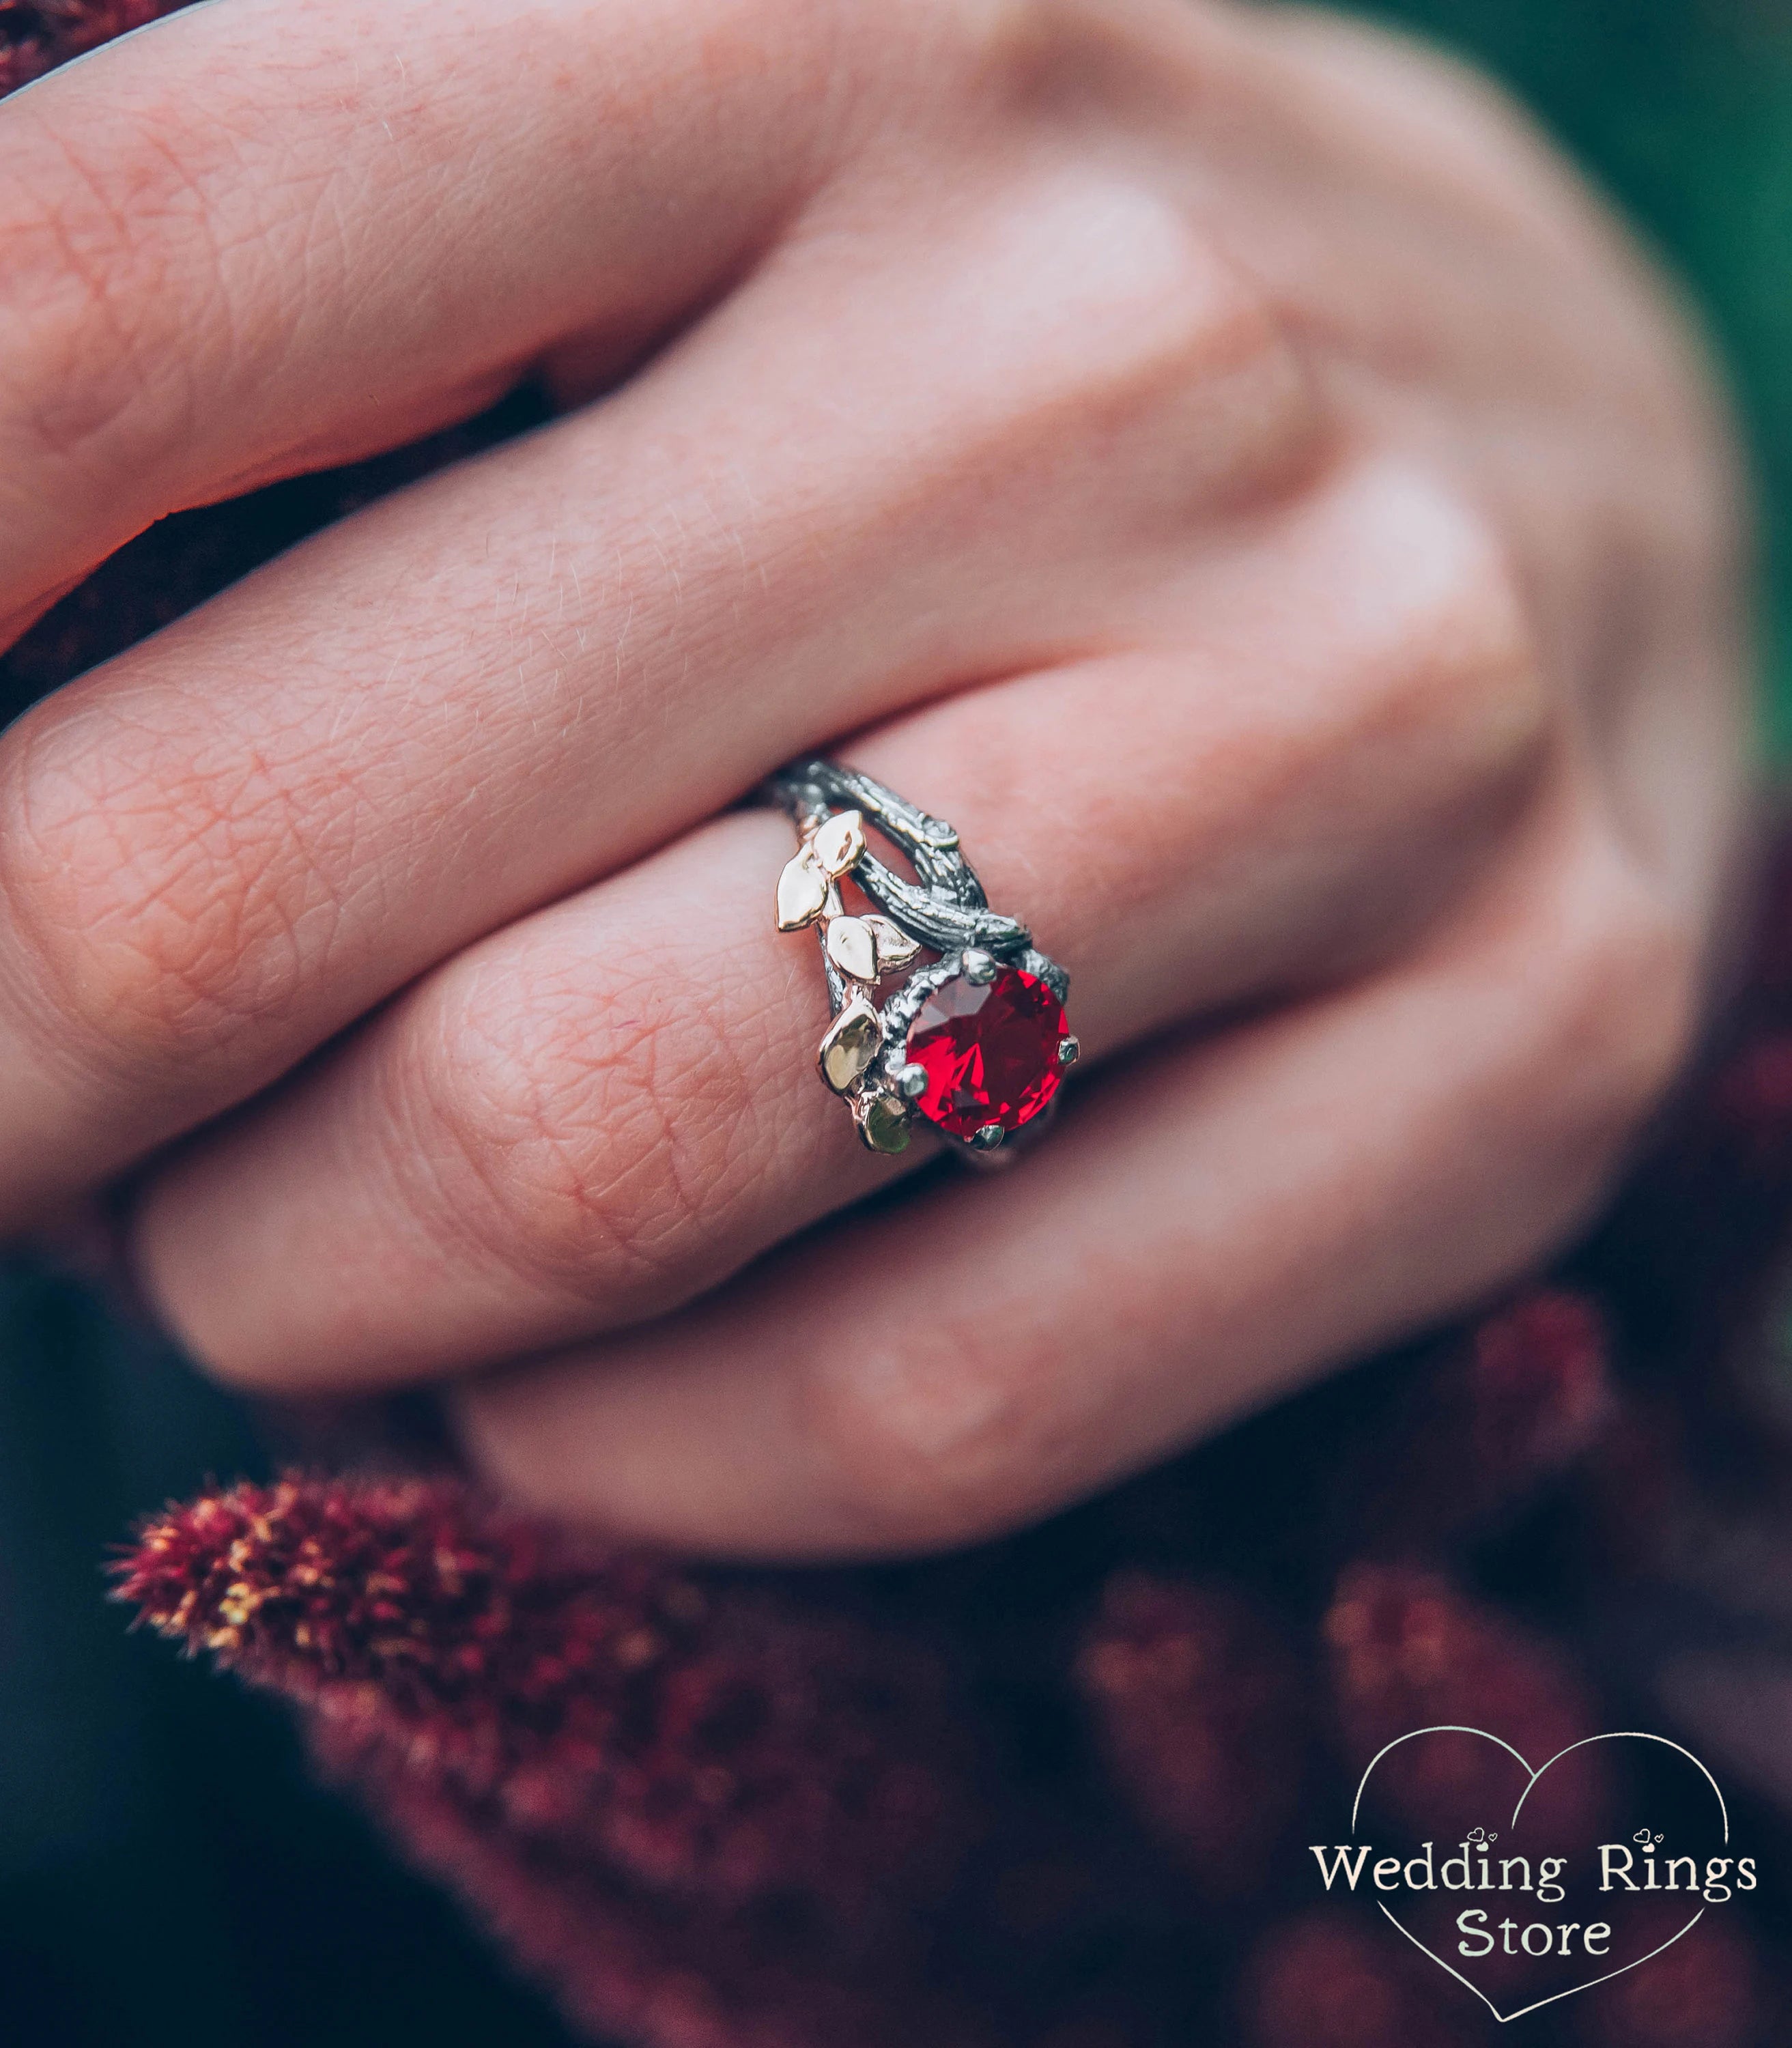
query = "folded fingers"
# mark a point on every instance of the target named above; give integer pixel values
(1212, 1224)
(600, 1112)
(219, 850)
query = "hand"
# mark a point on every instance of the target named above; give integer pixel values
(1211, 456)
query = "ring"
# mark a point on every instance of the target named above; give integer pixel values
(973, 1042)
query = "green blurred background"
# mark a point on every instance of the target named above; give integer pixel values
(1682, 110)
(168, 1875)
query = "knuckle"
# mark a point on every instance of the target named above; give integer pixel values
(1450, 666)
(1601, 988)
(1176, 355)
(928, 1447)
(1629, 983)
(1161, 331)
(578, 1133)
(162, 906)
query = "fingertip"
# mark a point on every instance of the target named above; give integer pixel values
(681, 1445)
(496, 1420)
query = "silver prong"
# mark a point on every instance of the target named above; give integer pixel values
(1068, 1051)
(986, 1139)
(978, 966)
(911, 1079)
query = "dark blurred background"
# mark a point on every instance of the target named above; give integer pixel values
(167, 1874)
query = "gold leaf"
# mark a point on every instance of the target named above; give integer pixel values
(895, 948)
(802, 893)
(852, 949)
(840, 843)
(854, 1040)
(885, 1126)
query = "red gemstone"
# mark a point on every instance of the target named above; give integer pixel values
(989, 1050)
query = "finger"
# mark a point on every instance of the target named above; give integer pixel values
(255, 241)
(597, 1113)
(218, 850)
(1213, 1226)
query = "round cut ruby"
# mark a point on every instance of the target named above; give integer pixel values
(989, 1050)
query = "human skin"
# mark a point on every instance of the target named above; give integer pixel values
(1216, 456)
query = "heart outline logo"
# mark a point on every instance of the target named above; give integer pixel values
(1615, 1734)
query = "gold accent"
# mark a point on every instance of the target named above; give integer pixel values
(803, 891)
(895, 948)
(852, 947)
(854, 1040)
(885, 1126)
(860, 948)
(840, 844)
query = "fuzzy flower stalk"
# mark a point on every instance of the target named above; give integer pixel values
(633, 1772)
